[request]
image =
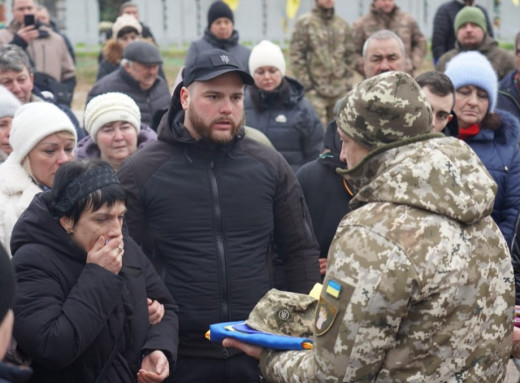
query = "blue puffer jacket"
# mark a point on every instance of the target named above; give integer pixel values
(498, 150)
(287, 119)
(508, 96)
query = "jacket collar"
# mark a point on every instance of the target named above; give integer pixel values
(127, 77)
(224, 44)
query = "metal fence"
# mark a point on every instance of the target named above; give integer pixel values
(179, 22)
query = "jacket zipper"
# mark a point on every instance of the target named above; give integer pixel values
(221, 256)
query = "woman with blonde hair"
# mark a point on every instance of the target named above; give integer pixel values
(42, 139)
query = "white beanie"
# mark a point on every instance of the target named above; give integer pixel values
(8, 103)
(110, 107)
(124, 21)
(33, 122)
(266, 54)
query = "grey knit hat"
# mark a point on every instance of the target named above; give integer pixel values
(384, 109)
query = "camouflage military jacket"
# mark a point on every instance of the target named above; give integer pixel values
(398, 21)
(419, 286)
(321, 51)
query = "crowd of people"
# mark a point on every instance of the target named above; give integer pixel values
(124, 236)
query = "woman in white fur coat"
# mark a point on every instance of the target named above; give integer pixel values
(42, 139)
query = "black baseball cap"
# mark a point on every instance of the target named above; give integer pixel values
(214, 63)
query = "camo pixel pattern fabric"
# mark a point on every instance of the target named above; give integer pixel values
(386, 108)
(425, 280)
(398, 21)
(321, 52)
(284, 313)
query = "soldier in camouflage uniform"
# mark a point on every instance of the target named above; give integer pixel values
(321, 53)
(419, 286)
(385, 14)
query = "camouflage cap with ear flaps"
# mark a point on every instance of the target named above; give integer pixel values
(384, 109)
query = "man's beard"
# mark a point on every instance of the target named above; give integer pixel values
(205, 131)
(471, 46)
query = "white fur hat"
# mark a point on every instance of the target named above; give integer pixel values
(33, 122)
(8, 103)
(110, 107)
(266, 53)
(123, 21)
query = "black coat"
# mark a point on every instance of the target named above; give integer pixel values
(210, 216)
(71, 316)
(209, 41)
(287, 119)
(508, 96)
(443, 36)
(149, 101)
(325, 192)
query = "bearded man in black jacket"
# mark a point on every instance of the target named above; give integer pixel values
(210, 206)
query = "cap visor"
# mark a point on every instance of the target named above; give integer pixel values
(246, 77)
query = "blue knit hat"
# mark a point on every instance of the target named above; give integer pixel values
(473, 68)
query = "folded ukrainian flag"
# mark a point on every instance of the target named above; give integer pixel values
(241, 331)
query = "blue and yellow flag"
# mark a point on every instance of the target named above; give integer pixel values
(291, 8)
(241, 331)
(233, 4)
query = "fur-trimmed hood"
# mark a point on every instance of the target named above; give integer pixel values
(509, 130)
(113, 52)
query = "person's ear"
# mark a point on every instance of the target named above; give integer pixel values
(67, 224)
(185, 98)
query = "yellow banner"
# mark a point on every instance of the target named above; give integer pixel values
(233, 4)
(515, 2)
(291, 8)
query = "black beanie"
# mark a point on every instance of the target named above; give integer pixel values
(6, 283)
(217, 10)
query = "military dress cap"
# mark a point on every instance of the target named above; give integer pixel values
(214, 63)
(385, 109)
(142, 52)
(284, 313)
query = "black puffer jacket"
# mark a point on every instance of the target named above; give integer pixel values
(70, 315)
(149, 101)
(287, 119)
(209, 41)
(327, 194)
(508, 95)
(210, 216)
